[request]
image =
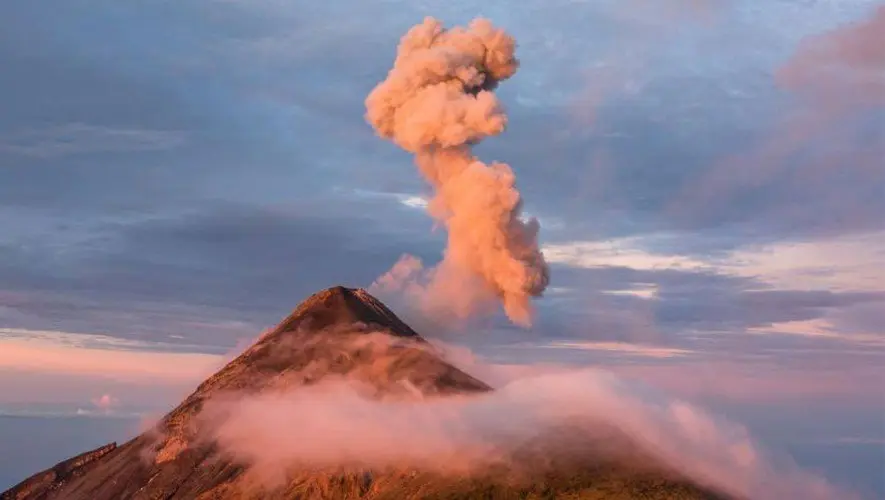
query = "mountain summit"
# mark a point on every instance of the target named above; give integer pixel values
(337, 333)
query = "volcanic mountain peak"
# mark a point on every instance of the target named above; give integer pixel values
(335, 331)
(338, 333)
(341, 306)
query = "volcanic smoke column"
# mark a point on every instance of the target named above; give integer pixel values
(436, 102)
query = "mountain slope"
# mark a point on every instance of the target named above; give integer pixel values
(338, 332)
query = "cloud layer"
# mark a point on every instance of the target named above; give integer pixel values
(331, 425)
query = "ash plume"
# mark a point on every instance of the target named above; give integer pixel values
(436, 102)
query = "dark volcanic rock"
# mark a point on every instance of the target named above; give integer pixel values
(339, 332)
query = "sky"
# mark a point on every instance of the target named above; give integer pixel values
(709, 176)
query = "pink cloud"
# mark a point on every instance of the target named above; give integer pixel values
(844, 65)
(332, 424)
(755, 382)
(832, 134)
(48, 357)
(105, 402)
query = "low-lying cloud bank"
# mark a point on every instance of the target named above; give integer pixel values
(332, 424)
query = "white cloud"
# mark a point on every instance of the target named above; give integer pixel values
(849, 263)
(644, 291)
(414, 201)
(405, 199)
(86, 340)
(621, 252)
(820, 328)
(646, 351)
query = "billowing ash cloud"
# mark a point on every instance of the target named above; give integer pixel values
(436, 102)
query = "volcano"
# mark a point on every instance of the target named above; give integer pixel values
(325, 337)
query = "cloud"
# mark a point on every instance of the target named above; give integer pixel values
(405, 199)
(847, 263)
(623, 68)
(844, 65)
(822, 328)
(88, 341)
(333, 425)
(723, 311)
(58, 374)
(161, 323)
(42, 353)
(622, 348)
(225, 270)
(765, 285)
(816, 167)
(719, 370)
(674, 305)
(764, 381)
(104, 276)
(81, 138)
(621, 252)
(105, 403)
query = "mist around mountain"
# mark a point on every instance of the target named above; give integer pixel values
(344, 400)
